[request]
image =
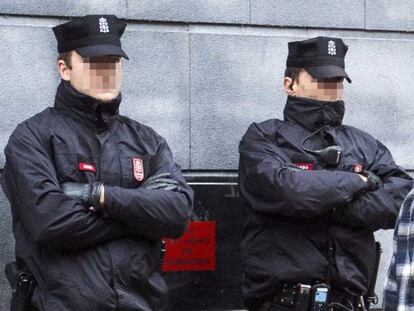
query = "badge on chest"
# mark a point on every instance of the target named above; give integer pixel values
(138, 169)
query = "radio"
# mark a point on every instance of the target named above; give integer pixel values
(320, 296)
(303, 295)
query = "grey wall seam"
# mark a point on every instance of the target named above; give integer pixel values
(189, 103)
(126, 9)
(250, 11)
(365, 14)
(224, 29)
(137, 21)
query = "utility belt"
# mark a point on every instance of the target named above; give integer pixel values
(22, 283)
(317, 297)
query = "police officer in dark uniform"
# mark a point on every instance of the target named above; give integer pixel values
(92, 192)
(315, 190)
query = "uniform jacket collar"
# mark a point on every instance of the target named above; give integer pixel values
(85, 108)
(314, 114)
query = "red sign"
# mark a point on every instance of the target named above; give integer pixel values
(138, 169)
(194, 251)
(305, 166)
(86, 167)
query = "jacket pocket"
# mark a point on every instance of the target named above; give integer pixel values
(75, 167)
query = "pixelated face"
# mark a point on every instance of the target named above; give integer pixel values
(98, 77)
(320, 89)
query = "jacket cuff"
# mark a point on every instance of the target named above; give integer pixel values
(110, 208)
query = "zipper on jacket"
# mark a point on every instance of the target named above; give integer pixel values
(100, 137)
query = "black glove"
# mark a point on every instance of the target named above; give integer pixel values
(161, 182)
(374, 182)
(88, 193)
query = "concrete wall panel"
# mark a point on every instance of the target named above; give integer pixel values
(353, 14)
(156, 83)
(390, 15)
(28, 76)
(379, 100)
(64, 8)
(208, 11)
(298, 13)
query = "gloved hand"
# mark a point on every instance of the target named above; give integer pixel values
(88, 193)
(373, 181)
(161, 182)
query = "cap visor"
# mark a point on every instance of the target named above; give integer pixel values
(101, 50)
(327, 72)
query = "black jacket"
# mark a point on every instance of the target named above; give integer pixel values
(292, 212)
(82, 261)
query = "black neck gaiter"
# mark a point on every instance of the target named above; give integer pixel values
(314, 114)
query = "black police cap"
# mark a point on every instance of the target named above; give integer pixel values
(322, 57)
(91, 35)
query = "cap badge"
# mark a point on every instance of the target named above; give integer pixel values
(103, 25)
(331, 47)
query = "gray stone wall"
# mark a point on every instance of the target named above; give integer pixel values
(201, 71)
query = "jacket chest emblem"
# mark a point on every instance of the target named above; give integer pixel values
(305, 166)
(88, 167)
(138, 169)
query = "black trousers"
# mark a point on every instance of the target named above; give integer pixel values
(270, 304)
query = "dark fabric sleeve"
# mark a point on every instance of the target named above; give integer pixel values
(378, 209)
(154, 213)
(49, 216)
(270, 185)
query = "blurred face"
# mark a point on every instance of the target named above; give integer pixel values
(99, 77)
(319, 89)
